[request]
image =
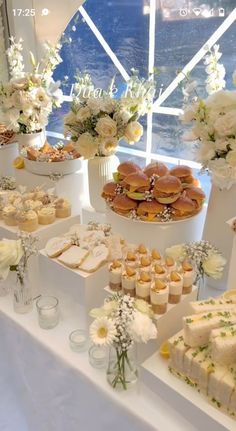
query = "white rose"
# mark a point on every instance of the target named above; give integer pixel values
(232, 143)
(222, 99)
(176, 251)
(107, 146)
(11, 253)
(214, 265)
(95, 105)
(20, 98)
(83, 114)
(108, 105)
(223, 176)
(86, 146)
(106, 127)
(142, 329)
(221, 144)
(231, 158)
(133, 131)
(225, 125)
(205, 153)
(20, 83)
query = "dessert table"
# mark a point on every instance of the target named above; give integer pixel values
(48, 387)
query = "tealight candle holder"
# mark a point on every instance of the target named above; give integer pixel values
(98, 356)
(48, 312)
(78, 340)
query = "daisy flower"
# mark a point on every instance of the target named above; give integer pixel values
(102, 331)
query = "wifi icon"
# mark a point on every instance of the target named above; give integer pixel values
(197, 11)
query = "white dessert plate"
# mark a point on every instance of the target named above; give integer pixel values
(194, 406)
(53, 168)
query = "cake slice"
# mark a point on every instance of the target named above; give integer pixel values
(197, 327)
(223, 343)
(73, 257)
(212, 304)
(96, 258)
(56, 246)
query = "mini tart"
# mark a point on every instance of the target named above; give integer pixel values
(170, 264)
(143, 286)
(160, 272)
(47, 215)
(28, 221)
(175, 287)
(63, 208)
(9, 215)
(159, 296)
(145, 264)
(128, 280)
(115, 274)
(188, 277)
(131, 259)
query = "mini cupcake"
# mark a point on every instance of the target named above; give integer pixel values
(188, 277)
(9, 215)
(17, 202)
(145, 264)
(160, 273)
(128, 280)
(143, 286)
(131, 259)
(28, 221)
(175, 287)
(142, 250)
(46, 215)
(159, 296)
(12, 196)
(170, 264)
(33, 205)
(115, 274)
(63, 208)
(156, 257)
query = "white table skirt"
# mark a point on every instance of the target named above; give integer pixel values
(47, 387)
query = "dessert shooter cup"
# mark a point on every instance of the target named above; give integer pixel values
(48, 312)
(159, 300)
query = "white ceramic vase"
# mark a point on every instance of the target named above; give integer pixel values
(8, 153)
(221, 208)
(35, 140)
(100, 171)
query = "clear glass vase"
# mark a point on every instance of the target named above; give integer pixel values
(122, 368)
(200, 283)
(23, 296)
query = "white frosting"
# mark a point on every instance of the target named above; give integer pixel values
(115, 275)
(171, 268)
(145, 268)
(160, 296)
(176, 287)
(143, 289)
(47, 211)
(160, 276)
(128, 282)
(188, 278)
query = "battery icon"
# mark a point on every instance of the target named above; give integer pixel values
(221, 11)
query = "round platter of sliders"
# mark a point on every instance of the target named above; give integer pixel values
(48, 160)
(154, 194)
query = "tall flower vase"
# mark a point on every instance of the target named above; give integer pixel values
(8, 153)
(35, 140)
(221, 207)
(100, 170)
(122, 368)
(201, 285)
(23, 296)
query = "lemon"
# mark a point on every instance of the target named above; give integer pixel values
(19, 163)
(164, 350)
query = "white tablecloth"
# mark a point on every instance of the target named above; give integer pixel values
(47, 387)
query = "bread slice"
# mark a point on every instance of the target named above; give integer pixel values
(56, 246)
(73, 257)
(97, 257)
(212, 304)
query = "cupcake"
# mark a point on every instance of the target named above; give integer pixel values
(143, 286)
(142, 250)
(159, 295)
(131, 259)
(28, 221)
(145, 264)
(175, 287)
(188, 277)
(9, 215)
(128, 280)
(156, 257)
(33, 205)
(170, 264)
(63, 208)
(160, 273)
(12, 196)
(115, 274)
(47, 215)
(17, 202)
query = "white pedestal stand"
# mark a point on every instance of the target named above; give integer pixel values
(7, 155)
(221, 207)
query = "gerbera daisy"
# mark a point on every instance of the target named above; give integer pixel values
(102, 331)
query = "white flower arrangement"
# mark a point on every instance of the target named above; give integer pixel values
(208, 260)
(14, 255)
(28, 98)
(97, 121)
(214, 125)
(120, 322)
